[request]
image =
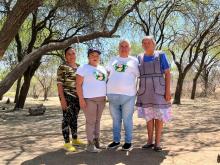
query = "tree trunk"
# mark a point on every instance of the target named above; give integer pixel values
(193, 92)
(17, 90)
(14, 20)
(206, 84)
(34, 92)
(199, 71)
(46, 93)
(29, 73)
(179, 88)
(24, 91)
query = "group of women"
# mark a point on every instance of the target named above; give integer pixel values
(91, 83)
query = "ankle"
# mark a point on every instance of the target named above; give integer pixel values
(74, 137)
(157, 144)
(150, 142)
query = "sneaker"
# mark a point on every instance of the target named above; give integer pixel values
(69, 147)
(147, 146)
(114, 145)
(97, 143)
(91, 148)
(127, 147)
(77, 142)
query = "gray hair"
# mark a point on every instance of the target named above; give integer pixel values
(150, 38)
(125, 40)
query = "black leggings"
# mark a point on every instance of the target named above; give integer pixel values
(70, 117)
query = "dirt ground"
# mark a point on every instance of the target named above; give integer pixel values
(191, 138)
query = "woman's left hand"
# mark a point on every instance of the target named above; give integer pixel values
(168, 97)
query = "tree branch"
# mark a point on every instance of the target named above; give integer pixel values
(14, 20)
(36, 54)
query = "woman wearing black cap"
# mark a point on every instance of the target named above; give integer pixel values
(91, 89)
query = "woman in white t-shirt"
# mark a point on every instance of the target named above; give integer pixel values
(91, 89)
(121, 91)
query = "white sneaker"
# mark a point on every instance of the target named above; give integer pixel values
(91, 148)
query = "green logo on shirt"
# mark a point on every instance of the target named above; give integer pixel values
(99, 76)
(120, 67)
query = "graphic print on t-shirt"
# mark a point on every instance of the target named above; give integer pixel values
(119, 67)
(99, 75)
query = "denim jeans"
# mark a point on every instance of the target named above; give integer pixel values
(122, 109)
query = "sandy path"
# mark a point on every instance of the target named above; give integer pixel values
(192, 137)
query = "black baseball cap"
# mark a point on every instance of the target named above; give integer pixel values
(91, 50)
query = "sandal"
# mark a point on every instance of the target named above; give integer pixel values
(147, 146)
(157, 148)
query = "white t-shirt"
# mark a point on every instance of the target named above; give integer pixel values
(123, 75)
(94, 83)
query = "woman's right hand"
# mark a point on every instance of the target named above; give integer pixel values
(82, 103)
(63, 104)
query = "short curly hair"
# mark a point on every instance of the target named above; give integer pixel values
(149, 38)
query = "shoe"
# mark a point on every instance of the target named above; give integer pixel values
(113, 145)
(127, 147)
(77, 142)
(147, 146)
(91, 148)
(157, 148)
(69, 147)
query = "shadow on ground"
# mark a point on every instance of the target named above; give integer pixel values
(191, 137)
(106, 157)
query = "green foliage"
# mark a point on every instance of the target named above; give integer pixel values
(136, 48)
(3, 73)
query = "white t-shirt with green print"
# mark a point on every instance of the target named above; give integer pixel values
(94, 83)
(123, 75)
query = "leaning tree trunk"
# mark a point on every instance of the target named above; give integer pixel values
(17, 90)
(24, 91)
(29, 73)
(14, 20)
(179, 88)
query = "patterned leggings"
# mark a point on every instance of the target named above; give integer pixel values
(70, 117)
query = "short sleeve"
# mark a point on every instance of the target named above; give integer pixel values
(164, 62)
(109, 65)
(136, 62)
(60, 74)
(81, 71)
(104, 70)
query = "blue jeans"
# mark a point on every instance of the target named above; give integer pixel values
(122, 108)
